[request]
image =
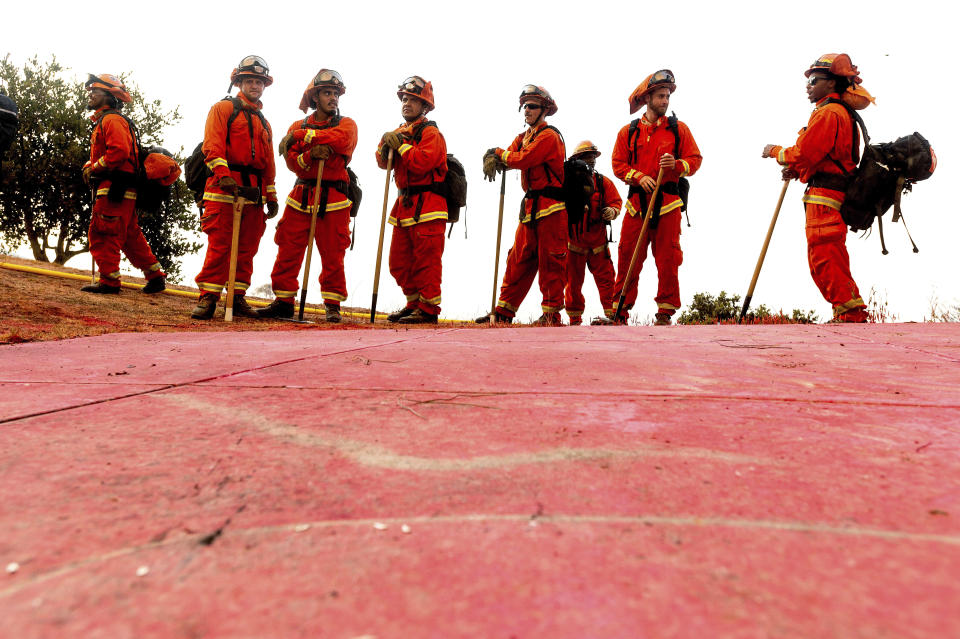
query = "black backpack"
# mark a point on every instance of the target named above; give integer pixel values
(883, 174)
(683, 184)
(151, 195)
(195, 170)
(454, 185)
(576, 185)
(9, 123)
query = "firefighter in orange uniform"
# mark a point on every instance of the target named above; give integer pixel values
(643, 148)
(419, 215)
(328, 136)
(824, 157)
(238, 147)
(540, 244)
(111, 172)
(588, 241)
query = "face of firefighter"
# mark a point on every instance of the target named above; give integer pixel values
(657, 103)
(411, 108)
(327, 101)
(96, 98)
(590, 159)
(820, 86)
(251, 88)
(532, 112)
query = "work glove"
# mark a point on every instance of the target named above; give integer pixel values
(393, 140)
(320, 152)
(228, 184)
(272, 209)
(87, 172)
(789, 174)
(610, 213)
(491, 164)
(285, 143)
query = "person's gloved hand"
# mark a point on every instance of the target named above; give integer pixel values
(87, 172)
(272, 209)
(491, 164)
(610, 213)
(285, 143)
(393, 140)
(228, 184)
(789, 174)
(320, 152)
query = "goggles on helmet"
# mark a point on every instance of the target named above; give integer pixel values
(663, 76)
(328, 76)
(106, 79)
(414, 84)
(255, 64)
(532, 89)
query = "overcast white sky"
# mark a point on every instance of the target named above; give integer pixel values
(739, 68)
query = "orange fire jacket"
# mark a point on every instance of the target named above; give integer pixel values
(111, 147)
(650, 142)
(539, 154)
(255, 152)
(418, 164)
(342, 139)
(828, 136)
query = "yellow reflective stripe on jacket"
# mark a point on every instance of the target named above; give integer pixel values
(404, 148)
(822, 200)
(424, 217)
(215, 162)
(129, 194)
(311, 133)
(553, 208)
(686, 168)
(217, 197)
(331, 206)
(301, 162)
(504, 156)
(666, 208)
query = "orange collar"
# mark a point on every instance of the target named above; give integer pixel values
(99, 113)
(408, 127)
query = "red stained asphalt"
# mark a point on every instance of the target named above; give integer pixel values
(720, 481)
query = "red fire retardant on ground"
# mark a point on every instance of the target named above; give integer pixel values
(789, 481)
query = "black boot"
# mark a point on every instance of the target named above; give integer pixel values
(396, 316)
(206, 307)
(101, 289)
(242, 308)
(548, 319)
(278, 309)
(497, 319)
(155, 285)
(332, 313)
(419, 317)
(662, 319)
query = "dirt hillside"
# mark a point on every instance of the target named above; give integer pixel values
(35, 307)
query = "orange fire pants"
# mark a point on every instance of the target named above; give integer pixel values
(114, 228)
(539, 250)
(665, 243)
(332, 237)
(217, 223)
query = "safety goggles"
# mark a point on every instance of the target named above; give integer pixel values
(414, 84)
(255, 64)
(328, 76)
(663, 76)
(532, 106)
(814, 79)
(532, 89)
(111, 81)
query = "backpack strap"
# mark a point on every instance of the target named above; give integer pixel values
(418, 131)
(631, 145)
(546, 167)
(672, 123)
(855, 134)
(137, 147)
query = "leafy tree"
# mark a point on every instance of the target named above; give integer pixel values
(43, 199)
